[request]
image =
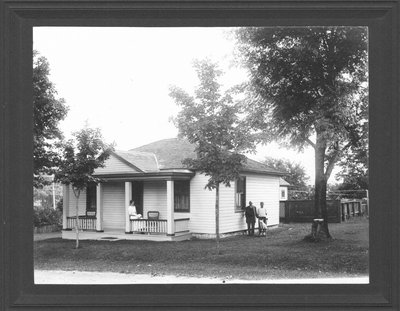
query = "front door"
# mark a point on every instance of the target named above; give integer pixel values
(137, 196)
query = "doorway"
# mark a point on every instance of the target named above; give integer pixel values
(137, 196)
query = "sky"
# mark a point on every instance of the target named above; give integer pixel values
(118, 79)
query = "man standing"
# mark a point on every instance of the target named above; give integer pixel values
(250, 214)
(262, 217)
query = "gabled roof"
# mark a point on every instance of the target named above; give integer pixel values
(283, 183)
(170, 153)
(143, 161)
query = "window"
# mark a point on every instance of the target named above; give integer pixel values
(240, 194)
(182, 196)
(91, 199)
(283, 194)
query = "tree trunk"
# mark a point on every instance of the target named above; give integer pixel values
(217, 217)
(77, 194)
(320, 207)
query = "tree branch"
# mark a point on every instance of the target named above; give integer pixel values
(310, 143)
(333, 159)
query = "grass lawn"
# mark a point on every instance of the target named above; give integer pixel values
(282, 254)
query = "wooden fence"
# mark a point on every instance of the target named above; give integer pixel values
(303, 210)
(353, 208)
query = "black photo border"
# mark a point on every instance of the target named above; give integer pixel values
(18, 17)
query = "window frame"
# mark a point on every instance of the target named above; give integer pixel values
(183, 187)
(91, 196)
(242, 205)
(283, 194)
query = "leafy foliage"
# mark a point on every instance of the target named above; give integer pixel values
(307, 87)
(354, 164)
(43, 197)
(48, 110)
(210, 121)
(46, 216)
(307, 193)
(296, 177)
(81, 157)
(306, 81)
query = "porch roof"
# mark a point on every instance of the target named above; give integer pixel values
(159, 175)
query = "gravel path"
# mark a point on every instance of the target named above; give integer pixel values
(84, 277)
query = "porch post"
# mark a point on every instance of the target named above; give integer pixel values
(128, 196)
(99, 208)
(65, 205)
(170, 208)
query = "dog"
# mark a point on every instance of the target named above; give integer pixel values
(262, 226)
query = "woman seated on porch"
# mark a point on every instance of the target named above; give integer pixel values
(132, 211)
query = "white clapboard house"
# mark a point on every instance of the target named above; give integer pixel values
(172, 199)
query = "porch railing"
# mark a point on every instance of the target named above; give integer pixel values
(158, 226)
(181, 225)
(148, 226)
(86, 223)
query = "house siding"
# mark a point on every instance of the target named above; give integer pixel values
(202, 203)
(259, 188)
(262, 188)
(230, 221)
(113, 165)
(155, 198)
(113, 196)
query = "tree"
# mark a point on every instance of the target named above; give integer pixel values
(210, 121)
(307, 85)
(354, 165)
(48, 111)
(79, 160)
(296, 174)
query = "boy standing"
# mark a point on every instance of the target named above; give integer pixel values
(262, 216)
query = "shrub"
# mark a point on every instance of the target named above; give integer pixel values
(46, 216)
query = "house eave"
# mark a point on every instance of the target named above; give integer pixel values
(159, 175)
(262, 172)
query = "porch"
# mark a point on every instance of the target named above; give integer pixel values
(139, 229)
(106, 212)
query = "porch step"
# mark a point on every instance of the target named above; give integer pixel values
(109, 238)
(115, 236)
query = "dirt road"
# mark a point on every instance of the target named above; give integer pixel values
(84, 277)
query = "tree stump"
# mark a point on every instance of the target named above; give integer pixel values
(317, 228)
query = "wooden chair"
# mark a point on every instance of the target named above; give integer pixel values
(90, 213)
(153, 215)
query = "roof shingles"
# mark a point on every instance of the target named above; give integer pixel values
(145, 161)
(171, 152)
